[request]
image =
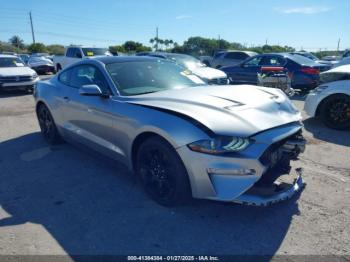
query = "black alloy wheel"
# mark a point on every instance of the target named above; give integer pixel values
(47, 125)
(162, 172)
(335, 111)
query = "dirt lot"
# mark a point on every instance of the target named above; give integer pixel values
(65, 200)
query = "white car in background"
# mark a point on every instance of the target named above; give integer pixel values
(210, 75)
(331, 100)
(15, 75)
(76, 53)
(41, 64)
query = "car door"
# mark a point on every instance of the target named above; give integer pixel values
(247, 74)
(89, 119)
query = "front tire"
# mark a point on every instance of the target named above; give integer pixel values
(162, 172)
(47, 125)
(335, 111)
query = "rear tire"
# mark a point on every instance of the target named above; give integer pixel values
(162, 172)
(335, 111)
(47, 125)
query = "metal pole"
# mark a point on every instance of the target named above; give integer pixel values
(31, 25)
(338, 45)
(157, 39)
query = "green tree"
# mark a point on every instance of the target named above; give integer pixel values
(55, 49)
(116, 49)
(16, 41)
(37, 48)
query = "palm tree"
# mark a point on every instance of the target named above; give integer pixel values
(16, 41)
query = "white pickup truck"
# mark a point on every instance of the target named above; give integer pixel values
(76, 53)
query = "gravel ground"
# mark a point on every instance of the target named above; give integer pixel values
(67, 200)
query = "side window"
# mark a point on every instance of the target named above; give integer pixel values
(347, 54)
(64, 77)
(77, 53)
(70, 52)
(255, 61)
(88, 75)
(231, 55)
(272, 61)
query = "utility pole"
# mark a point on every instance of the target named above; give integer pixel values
(157, 38)
(31, 25)
(219, 42)
(338, 45)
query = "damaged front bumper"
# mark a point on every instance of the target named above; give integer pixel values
(253, 177)
(277, 192)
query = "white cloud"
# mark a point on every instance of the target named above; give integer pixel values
(182, 17)
(306, 10)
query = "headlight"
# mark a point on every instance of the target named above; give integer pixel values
(319, 89)
(220, 145)
(35, 75)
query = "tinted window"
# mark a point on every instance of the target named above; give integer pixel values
(253, 62)
(346, 54)
(272, 61)
(64, 76)
(301, 60)
(95, 51)
(236, 55)
(88, 75)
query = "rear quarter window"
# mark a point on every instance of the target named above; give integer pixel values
(64, 77)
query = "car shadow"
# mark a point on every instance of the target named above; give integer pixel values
(12, 93)
(321, 132)
(92, 206)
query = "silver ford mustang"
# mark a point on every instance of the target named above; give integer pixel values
(180, 136)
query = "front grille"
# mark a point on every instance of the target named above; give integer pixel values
(218, 81)
(277, 159)
(15, 79)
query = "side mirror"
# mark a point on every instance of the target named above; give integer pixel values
(90, 90)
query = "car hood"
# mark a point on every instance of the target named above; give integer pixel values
(15, 71)
(241, 110)
(208, 73)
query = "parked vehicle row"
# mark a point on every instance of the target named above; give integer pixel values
(304, 72)
(209, 75)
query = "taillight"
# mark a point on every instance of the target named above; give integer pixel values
(310, 70)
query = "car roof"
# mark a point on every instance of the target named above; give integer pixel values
(121, 59)
(8, 56)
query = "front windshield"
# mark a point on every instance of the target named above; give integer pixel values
(141, 77)
(11, 62)
(95, 51)
(39, 59)
(333, 76)
(186, 61)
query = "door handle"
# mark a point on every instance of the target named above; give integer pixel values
(66, 98)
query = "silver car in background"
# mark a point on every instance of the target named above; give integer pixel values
(180, 136)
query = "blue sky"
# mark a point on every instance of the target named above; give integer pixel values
(311, 24)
